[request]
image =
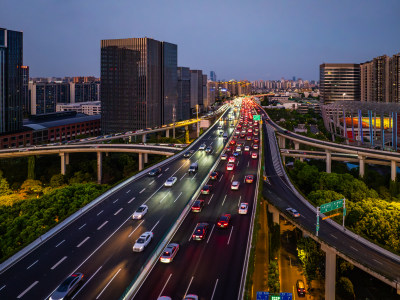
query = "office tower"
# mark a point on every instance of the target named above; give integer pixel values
(205, 99)
(196, 90)
(44, 96)
(213, 76)
(394, 73)
(169, 81)
(11, 47)
(183, 107)
(339, 82)
(26, 104)
(121, 108)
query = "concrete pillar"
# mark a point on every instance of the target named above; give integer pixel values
(146, 158)
(187, 134)
(328, 161)
(198, 129)
(362, 165)
(296, 145)
(393, 170)
(167, 133)
(144, 138)
(275, 213)
(281, 142)
(67, 158)
(141, 163)
(330, 272)
(305, 234)
(63, 165)
(107, 153)
(99, 167)
(173, 132)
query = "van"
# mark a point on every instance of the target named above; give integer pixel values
(225, 136)
(193, 168)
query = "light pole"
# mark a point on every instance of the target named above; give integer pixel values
(197, 117)
(173, 120)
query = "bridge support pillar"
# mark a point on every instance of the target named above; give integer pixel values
(144, 138)
(173, 132)
(198, 129)
(274, 212)
(362, 165)
(296, 146)
(63, 163)
(67, 158)
(330, 272)
(393, 170)
(328, 161)
(146, 158)
(187, 134)
(167, 133)
(281, 142)
(99, 167)
(141, 163)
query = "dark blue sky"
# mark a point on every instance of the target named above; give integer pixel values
(241, 39)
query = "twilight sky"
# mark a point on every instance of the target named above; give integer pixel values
(240, 39)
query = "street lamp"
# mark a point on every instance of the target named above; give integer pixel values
(344, 94)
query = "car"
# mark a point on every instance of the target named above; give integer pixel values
(255, 146)
(219, 127)
(294, 213)
(233, 142)
(214, 175)
(67, 287)
(238, 149)
(249, 178)
(142, 241)
(248, 138)
(246, 148)
(235, 153)
(191, 297)
(256, 140)
(249, 130)
(223, 221)
(164, 298)
(208, 150)
(206, 189)
(197, 205)
(235, 185)
(200, 231)
(255, 133)
(301, 289)
(140, 212)
(224, 156)
(285, 131)
(202, 146)
(170, 181)
(188, 153)
(155, 172)
(232, 159)
(254, 155)
(169, 253)
(243, 208)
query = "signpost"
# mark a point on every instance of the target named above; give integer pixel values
(256, 118)
(268, 296)
(327, 207)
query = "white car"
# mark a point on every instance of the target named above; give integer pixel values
(229, 167)
(243, 208)
(169, 253)
(232, 159)
(246, 148)
(224, 156)
(140, 212)
(142, 241)
(235, 185)
(202, 146)
(238, 149)
(191, 297)
(170, 181)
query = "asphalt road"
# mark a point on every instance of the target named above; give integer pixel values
(210, 268)
(99, 243)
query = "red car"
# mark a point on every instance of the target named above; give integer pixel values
(256, 140)
(197, 206)
(223, 221)
(233, 142)
(254, 155)
(206, 189)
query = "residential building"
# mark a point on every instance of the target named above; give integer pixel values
(196, 90)
(45, 95)
(84, 89)
(394, 73)
(26, 104)
(183, 106)
(88, 108)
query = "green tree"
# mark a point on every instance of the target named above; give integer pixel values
(31, 167)
(311, 257)
(57, 180)
(344, 289)
(31, 186)
(320, 197)
(273, 277)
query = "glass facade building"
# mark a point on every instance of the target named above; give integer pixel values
(169, 81)
(183, 108)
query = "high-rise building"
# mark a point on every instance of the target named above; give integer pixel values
(26, 104)
(394, 73)
(380, 77)
(183, 107)
(44, 96)
(213, 76)
(339, 82)
(84, 89)
(366, 82)
(196, 90)
(11, 61)
(169, 81)
(205, 99)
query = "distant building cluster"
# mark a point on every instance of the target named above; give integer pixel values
(266, 86)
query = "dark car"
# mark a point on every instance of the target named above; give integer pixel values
(197, 205)
(188, 153)
(155, 172)
(206, 189)
(214, 175)
(223, 221)
(67, 287)
(200, 231)
(301, 289)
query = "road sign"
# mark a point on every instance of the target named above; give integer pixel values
(331, 206)
(331, 216)
(262, 295)
(275, 297)
(256, 118)
(286, 296)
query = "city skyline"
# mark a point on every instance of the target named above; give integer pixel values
(266, 40)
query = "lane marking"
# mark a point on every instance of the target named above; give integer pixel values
(210, 233)
(230, 235)
(193, 176)
(334, 236)
(131, 200)
(240, 198)
(82, 226)
(232, 178)
(183, 176)
(165, 196)
(177, 197)
(166, 169)
(87, 281)
(151, 182)
(118, 211)
(189, 285)
(210, 198)
(237, 163)
(136, 228)
(100, 213)
(354, 248)
(169, 277)
(32, 265)
(101, 226)
(27, 290)
(190, 237)
(215, 287)
(59, 262)
(117, 199)
(377, 261)
(248, 163)
(221, 177)
(142, 191)
(155, 225)
(2, 287)
(108, 284)
(224, 200)
(81, 243)
(60, 243)
(128, 191)
(159, 175)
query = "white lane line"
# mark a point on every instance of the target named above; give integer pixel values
(98, 296)
(60, 243)
(354, 248)
(166, 169)
(27, 290)
(221, 177)
(101, 226)
(211, 143)
(2, 287)
(248, 163)
(155, 226)
(32, 265)
(193, 176)
(212, 229)
(86, 282)
(151, 182)
(215, 287)
(142, 191)
(169, 277)
(82, 226)
(100, 213)
(377, 261)
(128, 191)
(136, 228)
(131, 200)
(165, 196)
(118, 211)
(333, 236)
(59, 262)
(183, 176)
(232, 178)
(237, 163)
(230, 235)
(81, 243)
(177, 197)
(240, 198)
(159, 175)
(210, 198)
(117, 199)
(189, 285)
(224, 200)
(190, 237)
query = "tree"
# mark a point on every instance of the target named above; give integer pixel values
(31, 167)
(31, 187)
(57, 180)
(273, 277)
(312, 259)
(320, 197)
(344, 289)
(4, 187)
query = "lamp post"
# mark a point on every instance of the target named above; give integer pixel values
(197, 117)
(174, 121)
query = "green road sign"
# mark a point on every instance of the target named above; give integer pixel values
(275, 297)
(331, 206)
(256, 118)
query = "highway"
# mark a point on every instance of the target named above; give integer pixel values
(211, 268)
(99, 243)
